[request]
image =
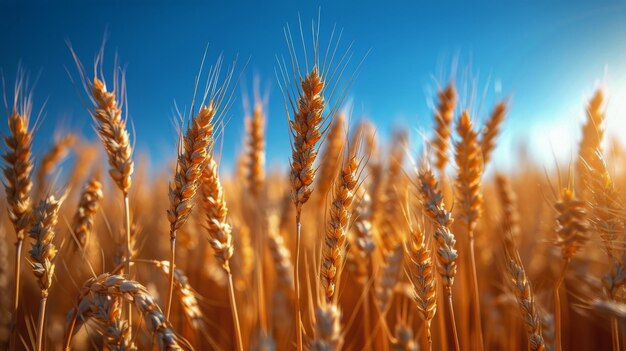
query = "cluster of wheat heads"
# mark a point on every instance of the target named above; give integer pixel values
(353, 248)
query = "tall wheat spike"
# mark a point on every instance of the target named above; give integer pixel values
(337, 228)
(192, 158)
(591, 142)
(468, 157)
(491, 130)
(444, 115)
(17, 170)
(432, 200)
(220, 232)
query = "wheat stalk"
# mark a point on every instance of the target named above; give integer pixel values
(306, 131)
(220, 232)
(5, 299)
(446, 253)
(192, 158)
(111, 128)
(469, 197)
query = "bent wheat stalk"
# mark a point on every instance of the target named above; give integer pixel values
(116, 286)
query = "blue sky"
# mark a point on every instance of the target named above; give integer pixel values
(546, 56)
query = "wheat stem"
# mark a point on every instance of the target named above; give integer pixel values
(170, 291)
(233, 308)
(296, 282)
(615, 333)
(129, 311)
(16, 292)
(476, 300)
(41, 318)
(452, 319)
(557, 306)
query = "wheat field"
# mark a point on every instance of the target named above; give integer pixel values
(352, 245)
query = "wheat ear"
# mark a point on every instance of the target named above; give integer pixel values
(447, 256)
(256, 150)
(192, 157)
(280, 255)
(388, 232)
(17, 170)
(83, 223)
(404, 338)
(327, 335)
(43, 253)
(116, 286)
(523, 294)
(491, 130)
(186, 294)
(444, 114)
(572, 233)
(422, 277)
(337, 227)
(220, 232)
(591, 142)
(306, 131)
(469, 196)
(112, 131)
